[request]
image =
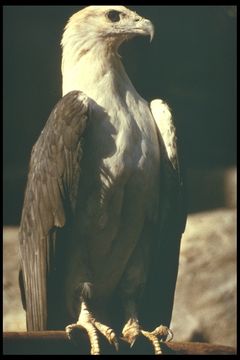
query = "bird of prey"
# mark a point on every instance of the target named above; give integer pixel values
(103, 211)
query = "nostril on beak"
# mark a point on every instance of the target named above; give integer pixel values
(137, 19)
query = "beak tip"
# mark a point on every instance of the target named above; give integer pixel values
(151, 31)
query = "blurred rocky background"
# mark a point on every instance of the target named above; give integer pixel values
(191, 64)
(205, 297)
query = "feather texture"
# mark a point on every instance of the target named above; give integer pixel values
(51, 191)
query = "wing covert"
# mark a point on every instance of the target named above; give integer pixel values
(171, 172)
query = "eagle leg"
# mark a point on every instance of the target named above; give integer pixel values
(132, 329)
(88, 322)
(156, 336)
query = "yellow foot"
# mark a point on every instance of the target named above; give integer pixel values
(88, 322)
(156, 336)
(132, 330)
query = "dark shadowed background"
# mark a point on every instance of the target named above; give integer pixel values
(191, 64)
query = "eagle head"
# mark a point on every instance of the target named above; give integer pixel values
(110, 25)
(90, 45)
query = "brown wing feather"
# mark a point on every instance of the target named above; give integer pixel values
(50, 198)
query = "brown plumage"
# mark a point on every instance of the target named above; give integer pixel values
(103, 211)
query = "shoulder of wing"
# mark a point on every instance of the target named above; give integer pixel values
(64, 127)
(165, 124)
(171, 168)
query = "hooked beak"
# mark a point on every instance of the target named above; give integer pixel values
(136, 26)
(145, 27)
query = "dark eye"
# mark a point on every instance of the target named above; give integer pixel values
(113, 15)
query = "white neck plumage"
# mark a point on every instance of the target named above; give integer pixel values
(92, 67)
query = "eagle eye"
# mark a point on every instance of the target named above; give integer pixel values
(113, 15)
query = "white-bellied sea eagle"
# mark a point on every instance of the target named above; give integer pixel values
(103, 212)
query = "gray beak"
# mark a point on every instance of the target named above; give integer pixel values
(149, 28)
(145, 27)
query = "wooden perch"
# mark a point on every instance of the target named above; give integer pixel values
(56, 342)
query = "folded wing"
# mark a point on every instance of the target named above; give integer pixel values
(167, 231)
(49, 201)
